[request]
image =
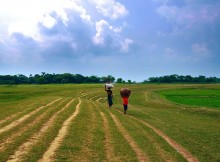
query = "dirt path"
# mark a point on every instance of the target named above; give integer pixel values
(23, 149)
(49, 154)
(140, 155)
(17, 122)
(186, 154)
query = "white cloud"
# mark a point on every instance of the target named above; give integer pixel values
(110, 8)
(126, 44)
(104, 32)
(23, 16)
(100, 32)
(36, 30)
(48, 21)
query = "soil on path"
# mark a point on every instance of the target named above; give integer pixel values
(140, 155)
(186, 154)
(23, 149)
(49, 154)
(17, 122)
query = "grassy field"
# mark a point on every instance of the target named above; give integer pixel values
(167, 122)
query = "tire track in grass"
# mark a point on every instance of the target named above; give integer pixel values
(140, 155)
(17, 122)
(49, 154)
(185, 153)
(23, 149)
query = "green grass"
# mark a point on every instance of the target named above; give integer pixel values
(188, 114)
(194, 97)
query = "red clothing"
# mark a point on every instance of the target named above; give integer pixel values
(125, 100)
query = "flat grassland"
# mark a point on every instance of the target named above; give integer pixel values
(166, 122)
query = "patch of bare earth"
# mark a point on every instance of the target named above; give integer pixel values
(22, 119)
(186, 154)
(23, 149)
(140, 155)
(49, 154)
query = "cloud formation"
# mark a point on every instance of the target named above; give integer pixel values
(155, 37)
(60, 28)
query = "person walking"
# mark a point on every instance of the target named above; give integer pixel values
(110, 96)
(125, 103)
(125, 93)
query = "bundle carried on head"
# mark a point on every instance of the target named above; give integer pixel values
(125, 92)
(109, 86)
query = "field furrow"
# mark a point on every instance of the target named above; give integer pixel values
(22, 110)
(22, 119)
(74, 123)
(140, 155)
(49, 154)
(8, 138)
(186, 154)
(108, 146)
(16, 137)
(23, 149)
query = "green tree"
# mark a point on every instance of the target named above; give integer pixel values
(119, 80)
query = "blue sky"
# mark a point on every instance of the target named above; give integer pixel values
(129, 39)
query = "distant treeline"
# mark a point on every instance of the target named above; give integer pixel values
(45, 78)
(182, 79)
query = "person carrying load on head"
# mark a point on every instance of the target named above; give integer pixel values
(109, 94)
(125, 93)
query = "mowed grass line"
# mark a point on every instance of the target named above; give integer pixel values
(121, 149)
(23, 109)
(107, 140)
(148, 140)
(141, 156)
(9, 137)
(18, 135)
(49, 154)
(25, 117)
(39, 148)
(23, 149)
(83, 137)
(117, 146)
(196, 129)
(28, 123)
(188, 127)
(145, 137)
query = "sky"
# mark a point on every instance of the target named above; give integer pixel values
(132, 40)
